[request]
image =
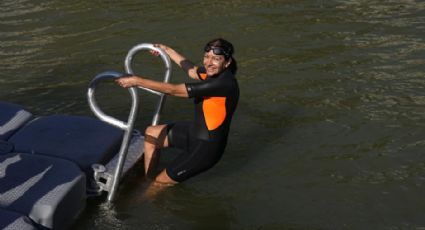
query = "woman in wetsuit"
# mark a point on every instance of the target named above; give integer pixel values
(215, 94)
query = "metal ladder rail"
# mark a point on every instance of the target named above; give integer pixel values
(127, 127)
(112, 186)
(167, 62)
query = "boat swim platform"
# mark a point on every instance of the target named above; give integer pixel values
(49, 165)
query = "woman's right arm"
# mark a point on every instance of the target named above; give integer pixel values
(180, 60)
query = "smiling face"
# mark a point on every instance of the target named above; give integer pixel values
(214, 64)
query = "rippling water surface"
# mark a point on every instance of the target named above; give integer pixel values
(329, 133)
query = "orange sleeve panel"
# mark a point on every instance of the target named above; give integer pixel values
(214, 111)
(203, 76)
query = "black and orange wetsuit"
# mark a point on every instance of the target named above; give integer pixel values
(204, 139)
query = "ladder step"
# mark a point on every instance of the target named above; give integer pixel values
(104, 175)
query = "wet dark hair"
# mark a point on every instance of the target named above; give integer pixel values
(228, 49)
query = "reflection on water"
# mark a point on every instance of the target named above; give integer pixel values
(329, 129)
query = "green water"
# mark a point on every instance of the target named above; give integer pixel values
(329, 132)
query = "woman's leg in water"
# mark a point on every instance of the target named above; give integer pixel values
(155, 138)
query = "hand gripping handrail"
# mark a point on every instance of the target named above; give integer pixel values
(167, 62)
(127, 127)
(98, 112)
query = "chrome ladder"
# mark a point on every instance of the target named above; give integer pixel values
(107, 177)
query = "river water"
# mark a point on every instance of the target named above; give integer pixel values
(329, 132)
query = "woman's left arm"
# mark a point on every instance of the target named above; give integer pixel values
(180, 60)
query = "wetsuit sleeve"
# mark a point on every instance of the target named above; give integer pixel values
(211, 87)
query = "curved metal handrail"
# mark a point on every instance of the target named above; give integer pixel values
(127, 127)
(164, 56)
(98, 112)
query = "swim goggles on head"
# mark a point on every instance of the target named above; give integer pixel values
(216, 50)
